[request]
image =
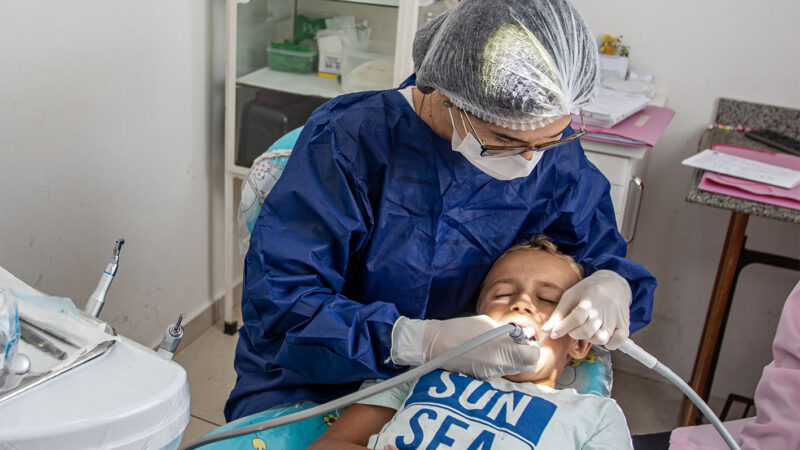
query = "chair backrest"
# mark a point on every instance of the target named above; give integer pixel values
(264, 173)
(590, 375)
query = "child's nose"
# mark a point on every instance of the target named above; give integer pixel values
(521, 304)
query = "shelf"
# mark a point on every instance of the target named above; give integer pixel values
(295, 83)
(394, 3)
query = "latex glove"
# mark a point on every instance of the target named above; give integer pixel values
(596, 309)
(415, 342)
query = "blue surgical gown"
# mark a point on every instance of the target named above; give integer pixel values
(376, 217)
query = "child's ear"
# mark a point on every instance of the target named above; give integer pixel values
(579, 348)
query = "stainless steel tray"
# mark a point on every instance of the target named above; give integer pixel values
(44, 367)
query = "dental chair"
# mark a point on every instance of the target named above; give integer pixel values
(591, 375)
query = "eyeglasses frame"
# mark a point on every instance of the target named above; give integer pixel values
(501, 151)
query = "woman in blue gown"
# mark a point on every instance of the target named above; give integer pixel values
(392, 209)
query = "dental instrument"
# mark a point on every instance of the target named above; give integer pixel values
(172, 338)
(32, 337)
(520, 335)
(98, 297)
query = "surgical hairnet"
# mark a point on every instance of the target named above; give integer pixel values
(520, 64)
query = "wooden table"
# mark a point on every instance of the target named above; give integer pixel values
(735, 256)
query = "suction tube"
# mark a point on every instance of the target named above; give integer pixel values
(518, 335)
(637, 353)
(514, 330)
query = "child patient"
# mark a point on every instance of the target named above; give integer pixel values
(450, 410)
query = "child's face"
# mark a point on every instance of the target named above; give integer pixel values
(524, 287)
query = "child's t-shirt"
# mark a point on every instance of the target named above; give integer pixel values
(449, 410)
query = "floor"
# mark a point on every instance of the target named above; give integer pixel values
(650, 406)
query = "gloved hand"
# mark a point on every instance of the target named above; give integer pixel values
(415, 342)
(596, 309)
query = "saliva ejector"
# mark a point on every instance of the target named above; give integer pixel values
(520, 335)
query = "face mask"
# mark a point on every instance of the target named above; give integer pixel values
(506, 168)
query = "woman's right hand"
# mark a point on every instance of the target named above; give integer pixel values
(415, 342)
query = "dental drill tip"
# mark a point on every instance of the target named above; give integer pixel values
(175, 329)
(118, 246)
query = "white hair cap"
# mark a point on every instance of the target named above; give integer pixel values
(519, 64)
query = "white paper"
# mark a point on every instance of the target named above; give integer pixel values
(744, 168)
(612, 66)
(612, 106)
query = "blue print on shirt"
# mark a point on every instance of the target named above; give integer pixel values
(455, 411)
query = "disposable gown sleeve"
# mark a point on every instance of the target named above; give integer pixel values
(315, 219)
(586, 229)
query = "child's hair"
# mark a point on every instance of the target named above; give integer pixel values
(543, 244)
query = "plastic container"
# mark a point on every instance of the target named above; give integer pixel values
(368, 66)
(292, 58)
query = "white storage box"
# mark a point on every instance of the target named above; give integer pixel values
(368, 66)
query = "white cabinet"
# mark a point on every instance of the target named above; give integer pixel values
(625, 169)
(243, 67)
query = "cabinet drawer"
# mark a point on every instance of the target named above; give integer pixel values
(615, 168)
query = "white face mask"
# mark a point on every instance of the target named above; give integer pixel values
(506, 168)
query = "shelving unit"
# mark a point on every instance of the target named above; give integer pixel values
(304, 84)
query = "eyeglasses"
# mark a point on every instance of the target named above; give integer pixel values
(500, 151)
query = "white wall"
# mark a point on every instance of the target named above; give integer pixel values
(106, 131)
(699, 52)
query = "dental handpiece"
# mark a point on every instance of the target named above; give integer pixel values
(98, 297)
(527, 336)
(172, 338)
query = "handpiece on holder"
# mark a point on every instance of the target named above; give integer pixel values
(98, 297)
(172, 338)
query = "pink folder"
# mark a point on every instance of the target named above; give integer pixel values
(751, 190)
(639, 130)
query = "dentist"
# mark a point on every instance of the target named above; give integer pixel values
(395, 204)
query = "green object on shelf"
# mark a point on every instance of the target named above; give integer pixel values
(306, 29)
(288, 57)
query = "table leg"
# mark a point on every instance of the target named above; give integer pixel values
(726, 272)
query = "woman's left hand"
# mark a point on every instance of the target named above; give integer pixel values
(596, 309)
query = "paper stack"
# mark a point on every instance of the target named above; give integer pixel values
(613, 106)
(643, 129)
(767, 192)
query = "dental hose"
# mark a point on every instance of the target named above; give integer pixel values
(517, 333)
(513, 330)
(649, 361)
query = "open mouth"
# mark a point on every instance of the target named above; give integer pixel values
(530, 333)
